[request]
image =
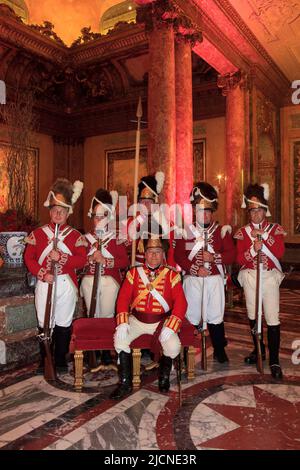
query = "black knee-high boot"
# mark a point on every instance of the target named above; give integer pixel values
(274, 345)
(62, 337)
(217, 335)
(252, 357)
(125, 372)
(164, 373)
(40, 368)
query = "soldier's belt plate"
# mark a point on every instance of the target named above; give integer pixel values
(150, 286)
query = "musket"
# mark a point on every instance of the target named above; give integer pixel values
(202, 324)
(258, 311)
(49, 370)
(94, 296)
(139, 113)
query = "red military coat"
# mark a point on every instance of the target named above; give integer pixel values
(190, 259)
(38, 241)
(118, 260)
(273, 239)
(170, 288)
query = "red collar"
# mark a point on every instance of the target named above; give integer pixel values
(264, 224)
(61, 228)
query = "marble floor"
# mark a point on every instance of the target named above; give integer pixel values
(227, 407)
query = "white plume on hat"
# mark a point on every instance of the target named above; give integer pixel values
(77, 190)
(160, 179)
(266, 191)
(64, 186)
(266, 195)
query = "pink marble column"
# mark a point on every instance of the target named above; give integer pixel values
(161, 106)
(233, 89)
(184, 119)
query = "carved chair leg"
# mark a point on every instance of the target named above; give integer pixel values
(136, 358)
(191, 363)
(78, 382)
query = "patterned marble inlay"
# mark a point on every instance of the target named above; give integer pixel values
(118, 427)
(29, 404)
(207, 424)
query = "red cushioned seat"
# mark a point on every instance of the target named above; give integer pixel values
(92, 334)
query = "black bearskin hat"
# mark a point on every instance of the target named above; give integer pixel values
(205, 195)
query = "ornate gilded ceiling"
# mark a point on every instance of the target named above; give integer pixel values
(276, 24)
(99, 72)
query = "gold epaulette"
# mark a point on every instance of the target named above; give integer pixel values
(280, 230)
(175, 279)
(171, 268)
(30, 239)
(239, 235)
(130, 275)
(81, 241)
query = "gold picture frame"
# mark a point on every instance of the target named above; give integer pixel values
(199, 149)
(32, 200)
(296, 195)
(120, 170)
(120, 167)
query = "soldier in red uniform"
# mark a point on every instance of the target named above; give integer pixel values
(69, 256)
(151, 301)
(106, 249)
(202, 254)
(272, 249)
(149, 190)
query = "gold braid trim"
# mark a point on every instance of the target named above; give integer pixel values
(122, 317)
(173, 323)
(175, 280)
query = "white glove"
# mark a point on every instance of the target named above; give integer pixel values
(122, 332)
(165, 334)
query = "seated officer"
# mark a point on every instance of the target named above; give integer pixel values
(151, 301)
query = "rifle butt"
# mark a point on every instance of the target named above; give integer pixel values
(49, 370)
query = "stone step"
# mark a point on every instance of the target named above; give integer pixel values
(18, 349)
(17, 314)
(13, 281)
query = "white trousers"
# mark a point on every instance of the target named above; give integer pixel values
(64, 297)
(211, 289)
(171, 347)
(271, 281)
(107, 295)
